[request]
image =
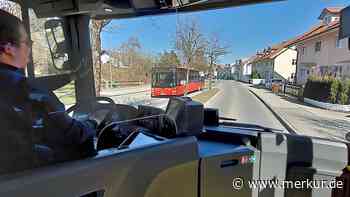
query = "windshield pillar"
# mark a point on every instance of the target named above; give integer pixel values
(26, 23)
(84, 84)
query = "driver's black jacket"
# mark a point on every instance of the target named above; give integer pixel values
(30, 136)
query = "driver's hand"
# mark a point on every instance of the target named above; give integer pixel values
(91, 123)
(71, 130)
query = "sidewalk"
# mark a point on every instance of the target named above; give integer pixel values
(303, 118)
(126, 90)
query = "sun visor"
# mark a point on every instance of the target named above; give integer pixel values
(108, 9)
(57, 8)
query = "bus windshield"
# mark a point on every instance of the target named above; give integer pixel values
(163, 79)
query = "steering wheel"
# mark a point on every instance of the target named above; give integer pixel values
(94, 101)
(105, 113)
(100, 107)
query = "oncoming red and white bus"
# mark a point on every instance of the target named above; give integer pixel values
(171, 81)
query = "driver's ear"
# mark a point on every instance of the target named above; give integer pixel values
(9, 49)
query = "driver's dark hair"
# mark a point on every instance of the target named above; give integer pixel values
(9, 29)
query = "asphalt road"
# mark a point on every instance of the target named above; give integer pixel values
(235, 101)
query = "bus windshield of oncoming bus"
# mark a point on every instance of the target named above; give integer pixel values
(163, 79)
(231, 59)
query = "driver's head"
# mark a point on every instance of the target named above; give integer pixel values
(15, 45)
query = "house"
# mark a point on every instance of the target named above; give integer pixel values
(320, 52)
(246, 68)
(225, 71)
(242, 69)
(276, 62)
(236, 70)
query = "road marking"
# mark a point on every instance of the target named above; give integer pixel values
(212, 98)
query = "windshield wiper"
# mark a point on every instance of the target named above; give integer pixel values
(228, 119)
(245, 125)
(251, 126)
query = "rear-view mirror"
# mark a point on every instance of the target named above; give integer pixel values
(57, 44)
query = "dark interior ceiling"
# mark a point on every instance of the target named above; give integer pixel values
(102, 9)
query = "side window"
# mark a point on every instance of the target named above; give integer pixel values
(43, 64)
(66, 94)
(11, 7)
(40, 50)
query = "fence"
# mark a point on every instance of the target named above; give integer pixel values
(293, 90)
(114, 84)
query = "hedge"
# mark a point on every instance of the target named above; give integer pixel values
(255, 75)
(327, 89)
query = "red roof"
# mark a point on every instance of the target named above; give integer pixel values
(315, 31)
(319, 29)
(273, 51)
(334, 10)
(330, 10)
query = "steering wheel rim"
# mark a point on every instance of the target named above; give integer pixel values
(97, 99)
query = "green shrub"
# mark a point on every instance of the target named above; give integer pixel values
(327, 89)
(335, 86)
(255, 75)
(314, 78)
(344, 92)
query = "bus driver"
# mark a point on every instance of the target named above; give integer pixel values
(22, 143)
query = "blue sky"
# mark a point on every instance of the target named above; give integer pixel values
(245, 29)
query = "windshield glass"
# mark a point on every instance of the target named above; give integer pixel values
(280, 65)
(290, 67)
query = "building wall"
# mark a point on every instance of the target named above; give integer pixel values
(246, 72)
(283, 64)
(264, 68)
(329, 56)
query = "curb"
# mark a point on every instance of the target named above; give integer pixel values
(284, 122)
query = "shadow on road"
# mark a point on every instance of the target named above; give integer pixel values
(258, 86)
(296, 101)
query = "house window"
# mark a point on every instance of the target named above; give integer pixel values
(338, 43)
(336, 18)
(294, 62)
(318, 46)
(303, 51)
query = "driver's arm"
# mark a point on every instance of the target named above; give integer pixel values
(70, 137)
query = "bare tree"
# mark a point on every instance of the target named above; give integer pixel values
(168, 58)
(96, 30)
(215, 49)
(130, 57)
(200, 61)
(129, 51)
(189, 42)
